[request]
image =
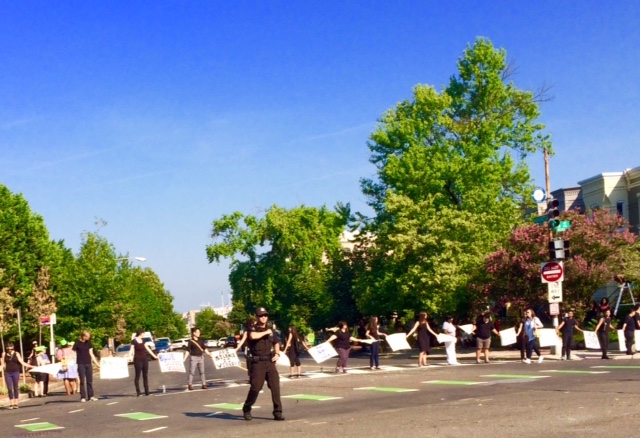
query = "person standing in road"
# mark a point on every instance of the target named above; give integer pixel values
(629, 329)
(483, 329)
(373, 333)
(423, 329)
(196, 349)
(84, 358)
(342, 344)
(531, 324)
(602, 329)
(41, 384)
(291, 349)
(139, 352)
(68, 368)
(566, 328)
(265, 351)
(11, 361)
(450, 346)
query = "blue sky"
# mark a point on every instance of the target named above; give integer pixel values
(159, 117)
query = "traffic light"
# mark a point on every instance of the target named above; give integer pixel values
(559, 249)
(554, 222)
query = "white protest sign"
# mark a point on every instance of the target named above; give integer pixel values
(467, 328)
(621, 342)
(398, 341)
(508, 336)
(636, 335)
(114, 368)
(368, 341)
(283, 360)
(548, 337)
(591, 340)
(52, 368)
(443, 337)
(225, 358)
(322, 352)
(171, 362)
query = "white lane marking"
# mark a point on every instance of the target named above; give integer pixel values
(112, 403)
(322, 422)
(77, 410)
(153, 430)
(30, 419)
(213, 414)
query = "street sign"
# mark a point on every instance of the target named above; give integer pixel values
(540, 220)
(551, 272)
(554, 308)
(555, 292)
(563, 226)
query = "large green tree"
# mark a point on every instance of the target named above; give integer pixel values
(282, 261)
(451, 183)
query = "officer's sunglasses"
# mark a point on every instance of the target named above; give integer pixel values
(263, 316)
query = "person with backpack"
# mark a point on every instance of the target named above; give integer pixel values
(196, 349)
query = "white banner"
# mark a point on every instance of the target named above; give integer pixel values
(171, 362)
(398, 341)
(322, 352)
(621, 342)
(52, 368)
(591, 340)
(548, 337)
(508, 337)
(636, 335)
(368, 341)
(443, 337)
(225, 358)
(283, 360)
(467, 328)
(114, 368)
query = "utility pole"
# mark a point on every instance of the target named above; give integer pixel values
(554, 348)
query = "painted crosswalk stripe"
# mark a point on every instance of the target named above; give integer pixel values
(30, 419)
(619, 367)
(311, 397)
(229, 406)
(514, 376)
(384, 389)
(140, 416)
(574, 371)
(77, 410)
(154, 430)
(452, 382)
(39, 427)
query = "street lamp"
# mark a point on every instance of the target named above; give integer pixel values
(140, 259)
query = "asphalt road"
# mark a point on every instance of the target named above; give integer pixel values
(501, 399)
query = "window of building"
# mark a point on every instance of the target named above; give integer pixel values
(620, 208)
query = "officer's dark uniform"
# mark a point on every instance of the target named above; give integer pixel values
(263, 369)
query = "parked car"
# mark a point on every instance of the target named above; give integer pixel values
(211, 343)
(147, 337)
(124, 350)
(162, 345)
(231, 342)
(180, 344)
(222, 342)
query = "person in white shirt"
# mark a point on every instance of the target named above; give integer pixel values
(450, 346)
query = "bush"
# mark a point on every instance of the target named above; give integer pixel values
(24, 388)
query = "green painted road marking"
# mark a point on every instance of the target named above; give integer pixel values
(573, 371)
(311, 397)
(385, 389)
(141, 416)
(452, 382)
(619, 367)
(39, 427)
(515, 376)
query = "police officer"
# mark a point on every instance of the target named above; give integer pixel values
(265, 351)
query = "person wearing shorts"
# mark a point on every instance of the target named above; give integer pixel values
(483, 329)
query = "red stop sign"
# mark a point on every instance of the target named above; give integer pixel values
(552, 272)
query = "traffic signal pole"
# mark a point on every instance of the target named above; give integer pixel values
(547, 179)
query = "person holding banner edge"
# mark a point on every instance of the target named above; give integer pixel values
(141, 361)
(373, 333)
(84, 358)
(265, 351)
(602, 329)
(423, 328)
(531, 324)
(342, 344)
(11, 361)
(566, 327)
(196, 349)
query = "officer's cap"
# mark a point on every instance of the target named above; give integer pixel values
(261, 311)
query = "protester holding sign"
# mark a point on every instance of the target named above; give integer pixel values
(566, 327)
(139, 352)
(68, 368)
(11, 361)
(85, 357)
(292, 350)
(423, 328)
(450, 345)
(483, 329)
(373, 333)
(196, 349)
(629, 328)
(342, 344)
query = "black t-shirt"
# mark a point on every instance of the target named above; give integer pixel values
(139, 351)
(484, 329)
(569, 324)
(342, 340)
(83, 357)
(196, 347)
(630, 321)
(261, 347)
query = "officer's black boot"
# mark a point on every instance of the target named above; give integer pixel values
(247, 414)
(278, 416)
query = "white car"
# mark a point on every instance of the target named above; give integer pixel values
(124, 350)
(180, 344)
(211, 343)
